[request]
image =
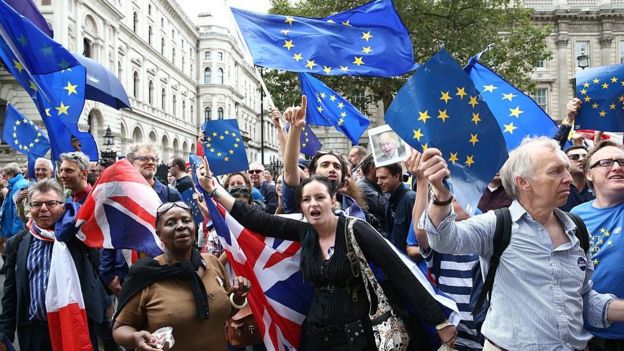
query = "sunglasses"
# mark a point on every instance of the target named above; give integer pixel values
(78, 159)
(607, 162)
(169, 205)
(576, 157)
(255, 171)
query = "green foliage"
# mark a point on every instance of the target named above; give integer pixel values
(463, 27)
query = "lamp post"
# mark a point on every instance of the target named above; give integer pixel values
(108, 155)
(582, 60)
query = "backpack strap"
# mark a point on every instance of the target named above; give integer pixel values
(500, 241)
(581, 231)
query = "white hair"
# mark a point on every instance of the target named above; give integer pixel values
(520, 162)
(46, 161)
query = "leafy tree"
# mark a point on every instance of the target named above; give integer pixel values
(463, 27)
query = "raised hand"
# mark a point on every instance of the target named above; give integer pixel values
(296, 116)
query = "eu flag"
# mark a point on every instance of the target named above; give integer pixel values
(440, 107)
(224, 147)
(602, 91)
(28, 9)
(51, 76)
(328, 108)
(368, 40)
(23, 135)
(309, 143)
(517, 114)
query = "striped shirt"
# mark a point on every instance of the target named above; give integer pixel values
(541, 295)
(38, 268)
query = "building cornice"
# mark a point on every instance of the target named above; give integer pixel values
(175, 11)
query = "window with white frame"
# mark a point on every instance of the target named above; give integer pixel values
(541, 98)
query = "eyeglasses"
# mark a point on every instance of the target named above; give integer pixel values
(48, 204)
(148, 159)
(169, 205)
(255, 171)
(576, 157)
(607, 162)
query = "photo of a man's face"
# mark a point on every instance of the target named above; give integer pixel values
(387, 146)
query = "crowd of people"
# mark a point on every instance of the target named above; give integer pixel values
(554, 283)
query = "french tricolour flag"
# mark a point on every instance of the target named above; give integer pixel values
(67, 318)
(120, 212)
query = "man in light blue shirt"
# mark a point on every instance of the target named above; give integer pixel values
(604, 217)
(543, 292)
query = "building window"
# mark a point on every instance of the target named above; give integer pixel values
(150, 95)
(207, 56)
(162, 46)
(163, 99)
(541, 98)
(220, 55)
(192, 115)
(183, 63)
(220, 76)
(220, 113)
(86, 52)
(135, 84)
(207, 75)
(149, 9)
(207, 114)
(135, 22)
(621, 60)
(162, 22)
(183, 110)
(173, 55)
(582, 48)
(149, 35)
(541, 64)
(119, 71)
(46, 2)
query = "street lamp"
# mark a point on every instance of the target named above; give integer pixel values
(582, 60)
(108, 155)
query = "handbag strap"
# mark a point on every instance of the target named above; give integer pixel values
(370, 282)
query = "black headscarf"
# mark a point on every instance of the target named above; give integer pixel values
(147, 271)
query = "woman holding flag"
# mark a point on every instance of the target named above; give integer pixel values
(338, 315)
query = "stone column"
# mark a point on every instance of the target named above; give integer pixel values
(605, 40)
(563, 85)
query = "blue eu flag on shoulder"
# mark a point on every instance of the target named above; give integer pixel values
(440, 107)
(224, 147)
(328, 108)
(368, 40)
(51, 76)
(517, 114)
(602, 91)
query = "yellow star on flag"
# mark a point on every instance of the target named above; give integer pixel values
(289, 20)
(596, 81)
(469, 160)
(475, 118)
(614, 80)
(18, 65)
(231, 152)
(418, 134)
(453, 157)
(320, 109)
(473, 101)
(621, 98)
(442, 115)
(323, 95)
(445, 96)
(343, 114)
(605, 86)
(298, 57)
(612, 106)
(366, 36)
(71, 89)
(424, 116)
(461, 92)
(330, 21)
(47, 112)
(326, 69)
(285, 31)
(358, 60)
(332, 98)
(587, 98)
(346, 23)
(341, 121)
(583, 92)
(595, 105)
(509, 128)
(310, 64)
(226, 159)
(33, 86)
(425, 146)
(344, 68)
(509, 96)
(602, 113)
(515, 112)
(473, 139)
(367, 49)
(288, 44)
(340, 105)
(489, 88)
(586, 85)
(62, 109)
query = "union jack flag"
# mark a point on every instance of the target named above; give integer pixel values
(120, 212)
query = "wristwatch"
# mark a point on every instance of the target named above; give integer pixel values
(437, 202)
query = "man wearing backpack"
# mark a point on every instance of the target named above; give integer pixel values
(604, 217)
(543, 289)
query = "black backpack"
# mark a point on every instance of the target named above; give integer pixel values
(501, 239)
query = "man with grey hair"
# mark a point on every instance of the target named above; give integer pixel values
(144, 158)
(10, 222)
(543, 288)
(73, 174)
(256, 172)
(29, 256)
(43, 169)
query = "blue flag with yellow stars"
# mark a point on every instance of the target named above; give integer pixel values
(602, 91)
(517, 114)
(368, 40)
(224, 147)
(440, 107)
(23, 135)
(328, 108)
(309, 143)
(52, 77)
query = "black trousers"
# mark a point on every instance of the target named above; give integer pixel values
(34, 337)
(599, 344)
(338, 337)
